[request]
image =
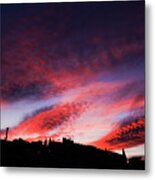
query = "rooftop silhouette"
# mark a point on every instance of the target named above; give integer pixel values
(65, 154)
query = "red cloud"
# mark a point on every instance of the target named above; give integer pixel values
(47, 119)
(126, 135)
(36, 60)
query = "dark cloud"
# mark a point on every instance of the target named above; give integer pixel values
(42, 41)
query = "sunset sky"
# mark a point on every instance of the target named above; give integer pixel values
(74, 70)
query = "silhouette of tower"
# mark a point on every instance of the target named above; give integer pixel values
(67, 141)
(6, 133)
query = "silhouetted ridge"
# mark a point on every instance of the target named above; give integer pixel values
(66, 154)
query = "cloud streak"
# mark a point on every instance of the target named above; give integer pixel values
(126, 135)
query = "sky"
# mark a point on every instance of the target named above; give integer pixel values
(74, 70)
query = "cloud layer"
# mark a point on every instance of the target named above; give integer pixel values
(86, 60)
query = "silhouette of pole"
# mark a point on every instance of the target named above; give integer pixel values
(124, 155)
(6, 135)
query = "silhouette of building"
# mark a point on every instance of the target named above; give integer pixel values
(67, 141)
(65, 154)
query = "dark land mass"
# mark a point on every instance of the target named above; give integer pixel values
(66, 154)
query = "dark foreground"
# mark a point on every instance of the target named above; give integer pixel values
(67, 154)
